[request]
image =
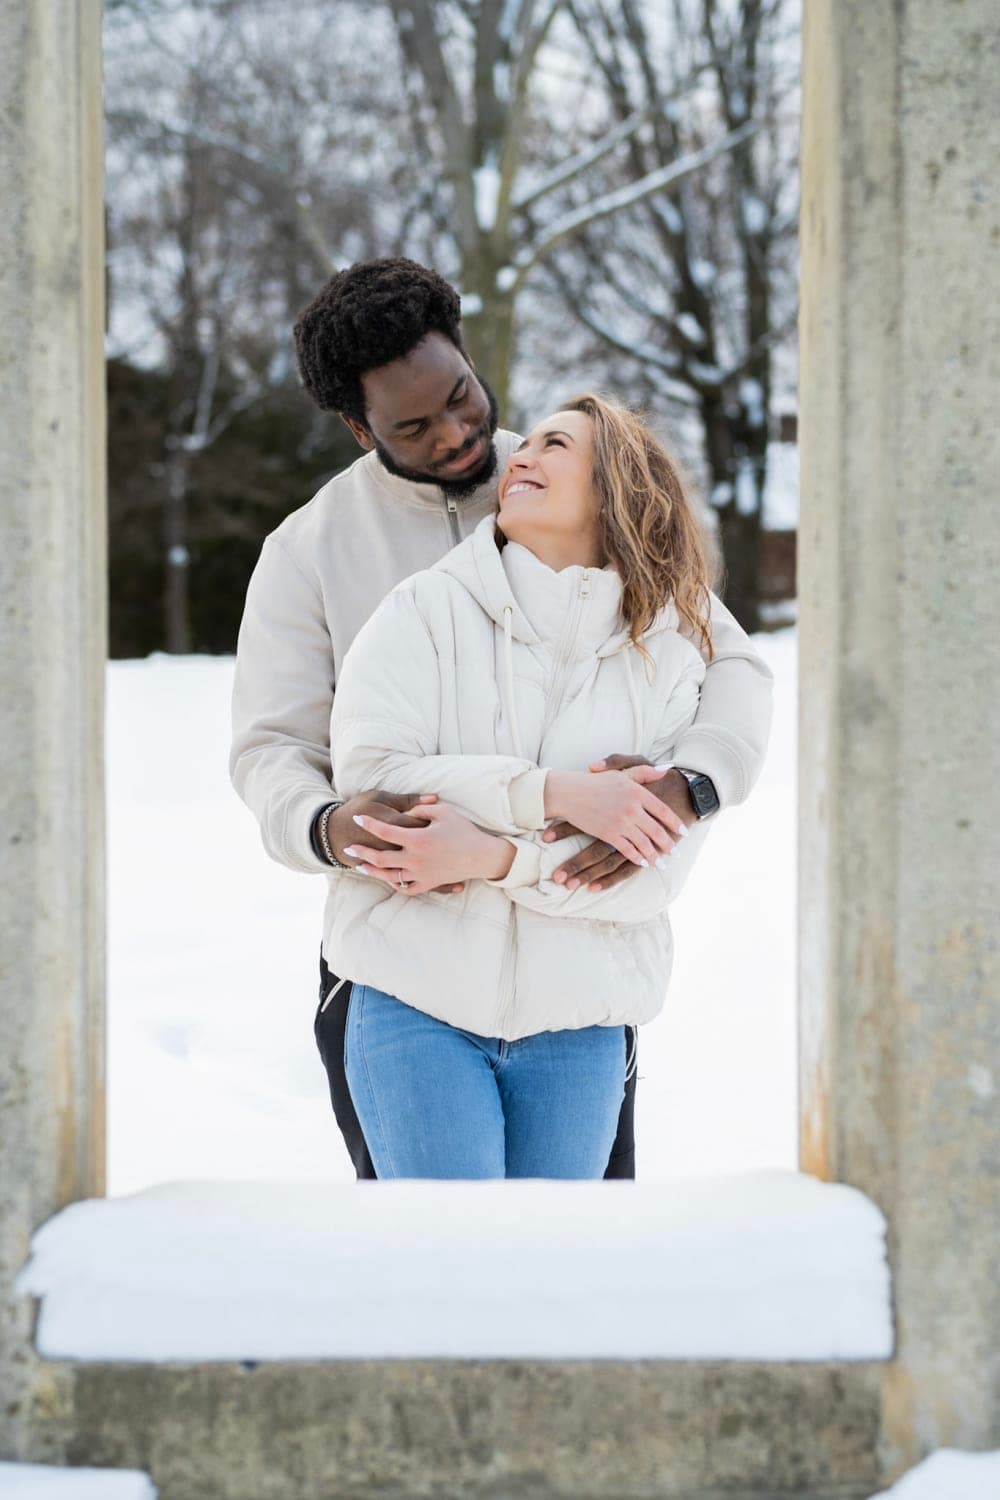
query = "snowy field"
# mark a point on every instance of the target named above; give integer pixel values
(213, 949)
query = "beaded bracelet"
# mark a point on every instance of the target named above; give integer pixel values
(322, 829)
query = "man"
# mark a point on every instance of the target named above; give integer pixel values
(381, 346)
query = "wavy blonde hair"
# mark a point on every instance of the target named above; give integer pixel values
(648, 528)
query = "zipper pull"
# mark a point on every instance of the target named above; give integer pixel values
(453, 505)
(585, 584)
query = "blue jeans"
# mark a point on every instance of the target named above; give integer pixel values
(437, 1101)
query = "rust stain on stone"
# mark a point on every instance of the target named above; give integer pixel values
(65, 1106)
(814, 1125)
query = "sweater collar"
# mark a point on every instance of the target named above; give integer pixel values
(432, 496)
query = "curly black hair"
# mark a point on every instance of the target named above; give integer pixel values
(370, 314)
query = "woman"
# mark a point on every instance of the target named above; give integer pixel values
(486, 1031)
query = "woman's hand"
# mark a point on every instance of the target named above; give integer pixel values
(618, 808)
(448, 850)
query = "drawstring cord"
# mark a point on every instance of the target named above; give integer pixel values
(333, 990)
(633, 697)
(632, 1057)
(508, 616)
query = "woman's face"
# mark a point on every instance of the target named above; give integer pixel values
(546, 493)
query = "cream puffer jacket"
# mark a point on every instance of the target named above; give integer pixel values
(471, 680)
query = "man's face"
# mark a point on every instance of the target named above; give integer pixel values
(430, 418)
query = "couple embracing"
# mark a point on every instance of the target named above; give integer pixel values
(483, 686)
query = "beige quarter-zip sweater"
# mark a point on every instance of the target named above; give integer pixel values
(323, 573)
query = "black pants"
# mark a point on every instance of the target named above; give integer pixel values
(331, 1026)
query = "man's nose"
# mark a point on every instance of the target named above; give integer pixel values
(452, 432)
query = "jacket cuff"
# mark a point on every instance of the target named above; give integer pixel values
(526, 867)
(301, 852)
(700, 750)
(527, 799)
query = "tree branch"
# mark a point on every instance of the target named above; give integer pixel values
(612, 203)
(574, 165)
(275, 172)
(416, 27)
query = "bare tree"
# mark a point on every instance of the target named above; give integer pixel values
(222, 220)
(626, 156)
(503, 227)
(701, 290)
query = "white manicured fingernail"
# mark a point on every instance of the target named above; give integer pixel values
(354, 853)
(364, 869)
(359, 820)
(663, 769)
(685, 830)
(644, 864)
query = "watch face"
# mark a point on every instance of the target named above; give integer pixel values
(704, 797)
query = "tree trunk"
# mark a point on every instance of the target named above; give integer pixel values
(739, 536)
(726, 447)
(176, 594)
(488, 329)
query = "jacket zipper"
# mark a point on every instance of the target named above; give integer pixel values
(508, 968)
(554, 695)
(452, 505)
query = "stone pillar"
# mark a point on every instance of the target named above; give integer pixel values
(53, 585)
(900, 639)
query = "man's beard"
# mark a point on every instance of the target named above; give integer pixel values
(458, 489)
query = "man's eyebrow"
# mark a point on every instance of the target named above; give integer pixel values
(415, 421)
(549, 432)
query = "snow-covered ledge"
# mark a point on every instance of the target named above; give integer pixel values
(44, 1482)
(763, 1266)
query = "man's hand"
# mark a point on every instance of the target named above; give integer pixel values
(353, 845)
(600, 865)
(436, 850)
(618, 808)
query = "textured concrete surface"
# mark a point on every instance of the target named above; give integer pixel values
(52, 586)
(900, 708)
(528, 1431)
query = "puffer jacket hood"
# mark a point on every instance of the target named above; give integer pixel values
(531, 602)
(516, 579)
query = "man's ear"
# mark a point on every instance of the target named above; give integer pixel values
(360, 431)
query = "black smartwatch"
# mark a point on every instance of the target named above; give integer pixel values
(704, 797)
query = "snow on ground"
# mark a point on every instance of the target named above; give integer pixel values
(768, 1265)
(213, 952)
(40, 1482)
(949, 1475)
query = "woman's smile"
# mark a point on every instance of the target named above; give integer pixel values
(554, 464)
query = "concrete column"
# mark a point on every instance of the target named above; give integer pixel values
(53, 584)
(900, 637)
